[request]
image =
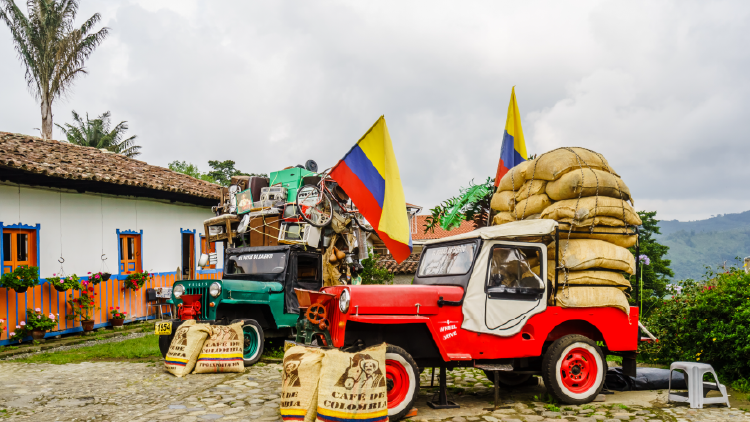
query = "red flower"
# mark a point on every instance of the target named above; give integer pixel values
(80, 306)
(91, 288)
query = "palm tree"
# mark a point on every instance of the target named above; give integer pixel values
(51, 49)
(96, 133)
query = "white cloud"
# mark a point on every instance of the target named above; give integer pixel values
(659, 87)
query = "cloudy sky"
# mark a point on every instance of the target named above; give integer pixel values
(662, 89)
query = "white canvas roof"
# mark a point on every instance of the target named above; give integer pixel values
(506, 231)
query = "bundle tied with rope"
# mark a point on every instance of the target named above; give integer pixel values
(579, 189)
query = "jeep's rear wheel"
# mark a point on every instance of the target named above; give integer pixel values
(253, 341)
(573, 369)
(402, 381)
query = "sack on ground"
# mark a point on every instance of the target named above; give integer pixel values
(532, 205)
(587, 182)
(502, 201)
(592, 207)
(516, 177)
(607, 278)
(222, 351)
(573, 296)
(581, 254)
(530, 188)
(552, 165)
(352, 386)
(185, 347)
(626, 240)
(299, 386)
(502, 218)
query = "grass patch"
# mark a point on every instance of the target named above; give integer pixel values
(137, 349)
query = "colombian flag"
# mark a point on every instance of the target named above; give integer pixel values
(513, 150)
(369, 175)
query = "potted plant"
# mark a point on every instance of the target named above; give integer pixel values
(2, 327)
(84, 306)
(116, 316)
(62, 284)
(21, 278)
(38, 323)
(135, 281)
(18, 334)
(97, 278)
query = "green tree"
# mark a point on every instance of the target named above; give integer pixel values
(222, 171)
(657, 273)
(51, 48)
(191, 170)
(98, 133)
(373, 272)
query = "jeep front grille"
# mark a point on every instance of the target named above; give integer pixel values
(199, 289)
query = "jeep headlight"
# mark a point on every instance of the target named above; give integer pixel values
(344, 300)
(215, 289)
(178, 291)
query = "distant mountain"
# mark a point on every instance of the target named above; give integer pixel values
(695, 244)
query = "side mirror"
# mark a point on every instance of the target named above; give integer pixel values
(203, 261)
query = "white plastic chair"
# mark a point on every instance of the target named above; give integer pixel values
(697, 389)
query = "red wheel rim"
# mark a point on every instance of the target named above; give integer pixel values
(397, 382)
(578, 370)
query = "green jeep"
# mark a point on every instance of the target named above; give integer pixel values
(257, 288)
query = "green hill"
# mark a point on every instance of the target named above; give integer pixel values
(695, 244)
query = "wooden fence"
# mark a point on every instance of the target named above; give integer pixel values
(108, 294)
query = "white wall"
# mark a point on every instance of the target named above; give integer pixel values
(88, 224)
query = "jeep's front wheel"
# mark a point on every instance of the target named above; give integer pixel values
(573, 369)
(253, 341)
(402, 381)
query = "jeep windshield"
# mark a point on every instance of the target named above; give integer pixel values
(256, 263)
(447, 263)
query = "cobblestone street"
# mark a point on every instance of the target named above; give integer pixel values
(115, 391)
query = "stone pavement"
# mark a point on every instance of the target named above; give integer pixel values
(143, 392)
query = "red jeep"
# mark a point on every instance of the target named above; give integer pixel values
(480, 299)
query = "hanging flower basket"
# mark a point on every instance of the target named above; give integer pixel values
(106, 276)
(62, 284)
(135, 281)
(21, 278)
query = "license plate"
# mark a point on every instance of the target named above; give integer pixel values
(163, 329)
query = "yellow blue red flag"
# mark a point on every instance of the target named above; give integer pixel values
(369, 175)
(513, 149)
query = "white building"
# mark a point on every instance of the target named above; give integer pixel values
(72, 209)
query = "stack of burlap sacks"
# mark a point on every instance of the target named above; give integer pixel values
(577, 188)
(205, 348)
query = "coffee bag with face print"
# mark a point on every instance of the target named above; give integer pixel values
(299, 387)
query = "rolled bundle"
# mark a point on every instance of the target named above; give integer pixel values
(578, 296)
(586, 182)
(586, 278)
(556, 163)
(626, 237)
(516, 177)
(582, 254)
(587, 210)
(531, 187)
(502, 218)
(502, 201)
(532, 205)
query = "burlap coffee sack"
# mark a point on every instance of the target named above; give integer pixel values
(532, 205)
(502, 201)
(626, 239)
(591, 208)
(516, 177)
(581, 254)
(299, 387)
(531, 187)
(573, 296)
(554, 164)
(502, 218)
(606, 278)
(222, 351)
(352, 386)
(185, 348)
(587, 182)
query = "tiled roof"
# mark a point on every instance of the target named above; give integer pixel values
(419, 234)
(408, 266)
(63, 160)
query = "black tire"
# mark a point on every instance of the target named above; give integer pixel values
(574, 369)
(254, 341)
(508, 379)
(401, 372)
(166, 341)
